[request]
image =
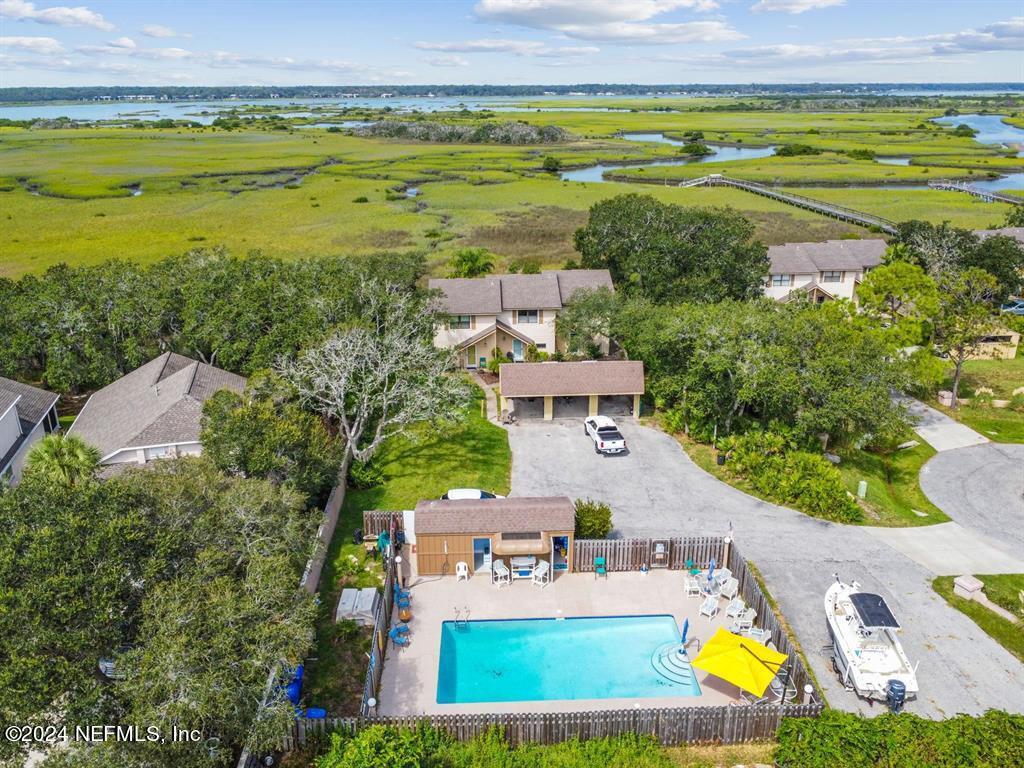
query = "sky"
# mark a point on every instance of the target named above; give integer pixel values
(333, 42)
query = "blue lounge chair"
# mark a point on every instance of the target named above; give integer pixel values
(401, 597)
(599, 567)
(400, 639)
(693, 569)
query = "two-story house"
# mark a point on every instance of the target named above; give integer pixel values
(26, 415)
(822, 271)
(508, 313)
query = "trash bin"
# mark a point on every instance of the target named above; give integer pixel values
(720, 459)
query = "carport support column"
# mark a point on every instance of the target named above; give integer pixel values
(636, 406)
(549, 408)
(593, 405)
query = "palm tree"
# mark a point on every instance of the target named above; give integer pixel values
(63, 459)
(471, 262)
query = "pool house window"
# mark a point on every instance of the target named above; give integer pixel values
(460, 322)
(781, 281)
(831, 277)
(527, 316)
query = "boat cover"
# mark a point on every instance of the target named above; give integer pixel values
(872, 611)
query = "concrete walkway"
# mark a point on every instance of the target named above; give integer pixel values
(949, 549)
(939, 430)
(490, 396)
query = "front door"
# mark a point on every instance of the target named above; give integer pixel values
(471, 356)
(481, 555)
(517, 350)
(560, 553)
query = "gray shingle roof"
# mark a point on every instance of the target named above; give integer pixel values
(493, 294)
(515, 515)
(156, 404)
(588, 377)
(1017, 233)
(811, 258)
(34, 403)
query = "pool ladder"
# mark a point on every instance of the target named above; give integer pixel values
(671, 662)
(462, 617)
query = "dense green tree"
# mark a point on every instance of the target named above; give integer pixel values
(669, 253)
(1003, 258)
(63, 459)
(552, 164)
(1014, 216)
(902, 297)
(586, 319)
(265, 433)
(471, 262)
(964, 319)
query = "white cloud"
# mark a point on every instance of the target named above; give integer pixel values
(125, 46)
(159, 30)
(794, 6)
(623, 21)
(61, 15)
(45, 46)
(516, 47)
(453, 60)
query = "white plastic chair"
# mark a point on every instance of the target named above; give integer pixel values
(763, 636)
(709, 608)
(744, 622)
(461, 572)
(722, 575)
(692, 586)
(735, 608)
(730, 588)
(542, 573)
(499, 573)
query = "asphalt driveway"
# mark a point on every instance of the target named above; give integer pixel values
(656, 490)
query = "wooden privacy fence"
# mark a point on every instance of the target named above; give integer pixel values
(375, 521)
(669, 726)
(631, 554)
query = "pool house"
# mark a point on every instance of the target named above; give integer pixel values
(516, 537)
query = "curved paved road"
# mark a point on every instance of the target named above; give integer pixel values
(981, 487)
(658, 490)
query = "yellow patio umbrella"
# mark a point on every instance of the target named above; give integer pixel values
(739, 660)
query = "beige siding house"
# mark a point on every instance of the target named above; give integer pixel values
(27, 414)
(822, 271)
(508, 313)
(154, 412)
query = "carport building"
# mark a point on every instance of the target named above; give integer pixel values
(571, 383)
(478, 531)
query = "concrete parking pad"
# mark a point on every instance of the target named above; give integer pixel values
(949, 549)
(656, 490)
(939, 430)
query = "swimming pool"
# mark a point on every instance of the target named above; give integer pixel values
(604, 657)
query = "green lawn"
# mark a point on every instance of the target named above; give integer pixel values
(1001, 376)
(473, 454)
(1001, 589)
(893, 489)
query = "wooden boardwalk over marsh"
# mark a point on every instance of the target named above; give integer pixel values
(986, 195)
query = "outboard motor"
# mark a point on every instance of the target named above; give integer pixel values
(895, 695)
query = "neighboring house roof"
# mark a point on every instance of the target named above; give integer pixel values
(32, 405)
(159, 403)
(495, 326)
(499, 293)
(588, 377)
(811, 258)
(518, 514)
(1017, 233)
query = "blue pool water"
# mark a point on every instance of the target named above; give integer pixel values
(549, 659)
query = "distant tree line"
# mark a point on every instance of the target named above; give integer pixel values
(75, 329)
(503, 132)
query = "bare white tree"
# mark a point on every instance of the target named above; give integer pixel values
(380, 377)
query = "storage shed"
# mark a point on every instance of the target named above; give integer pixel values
(479, 531)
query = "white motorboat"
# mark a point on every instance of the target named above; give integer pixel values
(866, 652)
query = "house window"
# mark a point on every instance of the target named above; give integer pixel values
(779, 281)
(541, 346)
(460, 322)
(528, 316)
(831, 277)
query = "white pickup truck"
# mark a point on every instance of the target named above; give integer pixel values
(604, 433)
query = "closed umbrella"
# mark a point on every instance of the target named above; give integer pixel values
(711, 570)
(686, 631)
(739, 660)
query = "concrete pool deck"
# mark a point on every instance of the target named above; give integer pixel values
(409, 681)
